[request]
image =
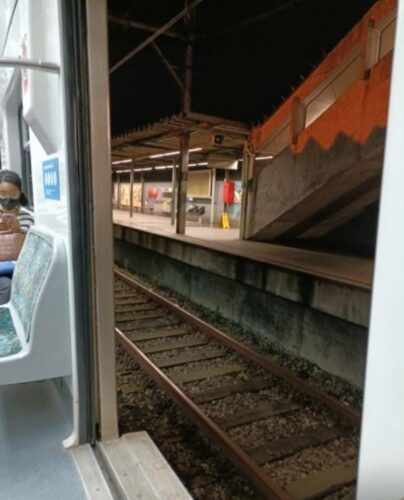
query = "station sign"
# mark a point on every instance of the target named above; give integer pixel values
(51, 179)
(220, 164)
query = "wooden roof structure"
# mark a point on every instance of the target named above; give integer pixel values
(213, 139)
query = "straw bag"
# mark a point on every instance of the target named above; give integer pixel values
(11, 238)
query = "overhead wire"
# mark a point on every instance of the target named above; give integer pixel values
(252, 20)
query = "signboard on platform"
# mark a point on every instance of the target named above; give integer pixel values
(124, 196)
(223, 164)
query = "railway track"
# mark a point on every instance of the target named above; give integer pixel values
(224, 387)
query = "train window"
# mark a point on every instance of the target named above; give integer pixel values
(26, 168)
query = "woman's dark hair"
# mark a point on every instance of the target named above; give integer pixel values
(14, 179)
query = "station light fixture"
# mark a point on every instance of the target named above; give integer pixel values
(166, 167)
(160, 167)
(173, 153)
(269, 157)
(120, 162)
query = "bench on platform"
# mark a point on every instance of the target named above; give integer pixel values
(34, 325)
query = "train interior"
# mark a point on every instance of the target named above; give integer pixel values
(49, 370)
(36, 366)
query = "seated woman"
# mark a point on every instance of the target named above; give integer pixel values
(12, 201)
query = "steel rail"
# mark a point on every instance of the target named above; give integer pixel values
(262, 481)
(346, 413)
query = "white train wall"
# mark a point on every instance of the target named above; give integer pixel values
(34, 34)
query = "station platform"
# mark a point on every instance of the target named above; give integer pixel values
(347, 270)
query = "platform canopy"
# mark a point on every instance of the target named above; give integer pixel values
(214, 142)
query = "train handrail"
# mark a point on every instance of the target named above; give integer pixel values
(14, 62)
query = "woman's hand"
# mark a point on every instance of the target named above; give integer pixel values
(9, 223)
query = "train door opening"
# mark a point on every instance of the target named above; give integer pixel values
(381, 447)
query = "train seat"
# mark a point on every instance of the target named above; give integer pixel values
(9, 341)
(34, 325)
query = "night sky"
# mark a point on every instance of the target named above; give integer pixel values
(243, 73)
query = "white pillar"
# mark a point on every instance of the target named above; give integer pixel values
(381, 463)
(97, 39)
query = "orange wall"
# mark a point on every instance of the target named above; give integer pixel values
(358, 36)
(357, 113)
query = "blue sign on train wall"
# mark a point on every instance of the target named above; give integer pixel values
(51, 180)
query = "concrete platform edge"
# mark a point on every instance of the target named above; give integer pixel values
(341, 300)
(137, 469)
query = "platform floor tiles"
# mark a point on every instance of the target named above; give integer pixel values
(33, 463)
(153, 223)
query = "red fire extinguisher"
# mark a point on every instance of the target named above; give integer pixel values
(228, 192)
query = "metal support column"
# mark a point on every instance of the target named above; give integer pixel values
(213, 199)
(182, 174)
(381, 457)
(173, 193)
(244, 193)
(188, 80)
(142, 193)
(188, 63)
(118, 195)
(131, 194)
(182, 181)
(247, 175)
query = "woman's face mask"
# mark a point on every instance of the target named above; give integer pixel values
(9, 197)
(7, 203)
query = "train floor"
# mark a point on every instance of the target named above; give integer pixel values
(33, 463)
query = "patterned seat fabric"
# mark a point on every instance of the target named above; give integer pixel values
(9, 342)
(29, 275)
